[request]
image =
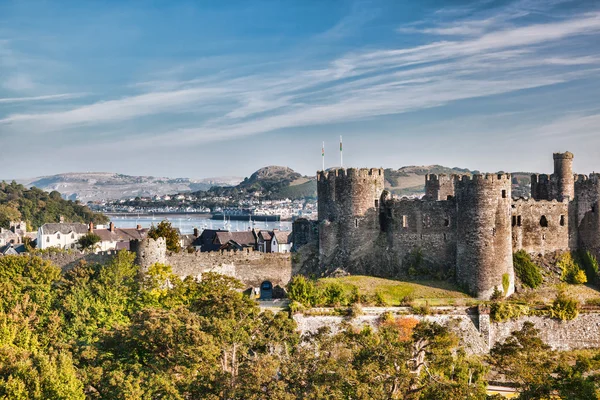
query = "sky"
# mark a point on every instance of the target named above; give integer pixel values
(221, 88)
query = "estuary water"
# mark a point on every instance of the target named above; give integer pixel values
(187, 223)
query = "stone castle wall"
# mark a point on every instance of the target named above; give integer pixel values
(478, 335)
(251, 268)
(541, 226)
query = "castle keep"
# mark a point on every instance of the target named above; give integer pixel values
(465, 226)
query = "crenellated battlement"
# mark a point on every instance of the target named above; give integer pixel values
(595, 178)
(441, 178)
(349, 173)
(485, 179)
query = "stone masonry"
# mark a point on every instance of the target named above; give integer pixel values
(466, 227)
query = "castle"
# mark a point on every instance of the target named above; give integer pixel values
(465, 226)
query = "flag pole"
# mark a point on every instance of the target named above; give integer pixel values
(341, 154)
(323, 156)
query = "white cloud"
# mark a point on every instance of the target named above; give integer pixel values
(493, 59)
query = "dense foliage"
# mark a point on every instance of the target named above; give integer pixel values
(37, 207)
(169, 233)
(571, 270)
(526, 270)
(105, 332)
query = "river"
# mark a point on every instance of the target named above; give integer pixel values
(187, 223)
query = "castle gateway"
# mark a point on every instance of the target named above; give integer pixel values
(465, 227)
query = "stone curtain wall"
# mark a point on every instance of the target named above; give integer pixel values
(529, 232)
(478, 335)
(252, 268)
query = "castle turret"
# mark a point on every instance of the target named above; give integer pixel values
(564, 180)
(348, 201)
(149, 251)
(484, 244)
(439, 187)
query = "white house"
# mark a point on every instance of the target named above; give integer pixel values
(281, 242)
(62, 235)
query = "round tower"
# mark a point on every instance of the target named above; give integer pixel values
(149, 251)
(484, 244)
(564, 180)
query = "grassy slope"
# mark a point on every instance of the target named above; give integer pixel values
(433, 292)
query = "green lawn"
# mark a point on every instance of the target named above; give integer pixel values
(393, 291)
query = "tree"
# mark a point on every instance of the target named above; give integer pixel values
(170, 234)
(8, 214)
(88, 241)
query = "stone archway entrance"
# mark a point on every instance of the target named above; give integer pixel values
(266, 290)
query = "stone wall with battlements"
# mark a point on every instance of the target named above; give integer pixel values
(540, 226)
(440, 187)
(250, 267)
(427, 227)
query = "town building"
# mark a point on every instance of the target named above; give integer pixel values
(60, 235)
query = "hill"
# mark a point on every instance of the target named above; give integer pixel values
(277, 182)
(38, 207)
(92, 186)
(274, 182)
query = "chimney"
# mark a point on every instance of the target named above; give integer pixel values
(196, 232)
(91, 227)
(61, 219)
(111, 226)
(138, 227)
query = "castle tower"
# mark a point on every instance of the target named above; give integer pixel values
(586, 213)
(149, 251)
(564, 180)
(439, 187)
(348, 202)
(484, 243)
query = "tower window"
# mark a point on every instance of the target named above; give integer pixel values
(446, 222)
(405, 221)
(356, 223)
(376, 203)
(504, 194)
(544, 222)
(593, 209)
(562, 220)
(518, 220)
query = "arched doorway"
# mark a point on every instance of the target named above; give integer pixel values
(266, 290)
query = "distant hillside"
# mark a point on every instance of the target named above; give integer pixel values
(410, 180)
(274, 182)
(281, 182)
(107, 185)
(38, 207)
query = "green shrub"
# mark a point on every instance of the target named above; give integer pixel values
(355, 311)
(527, 271)
(497, 294)
(422, 309)
(505, 283)
(379, 299)
(571, 273)
(303, 291)
(564, 307)
(333, 294)
(589, 264)
(503, 311)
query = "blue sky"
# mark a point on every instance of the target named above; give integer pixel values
(199, 89)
